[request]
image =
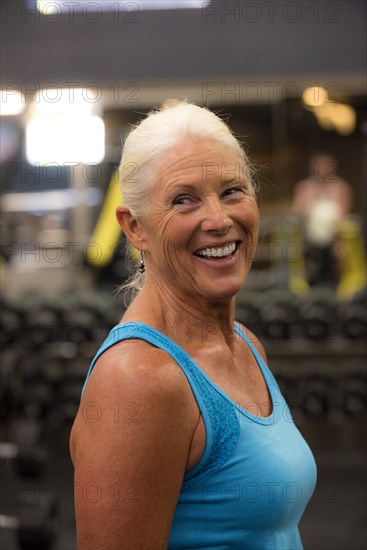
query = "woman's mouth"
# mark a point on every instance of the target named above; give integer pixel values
(218, 253)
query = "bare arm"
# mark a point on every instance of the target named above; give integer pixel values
(130, 444)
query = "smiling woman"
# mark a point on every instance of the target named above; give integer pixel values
(162, 135)
(209, 456)
(191, 218)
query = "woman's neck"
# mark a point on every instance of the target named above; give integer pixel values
(185, 319)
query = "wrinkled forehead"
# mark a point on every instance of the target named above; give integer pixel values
(202, 161)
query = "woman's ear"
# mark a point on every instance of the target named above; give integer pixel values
(130, 226)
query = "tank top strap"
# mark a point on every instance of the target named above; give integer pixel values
(144, 332)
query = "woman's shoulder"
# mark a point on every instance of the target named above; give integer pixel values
(135, 364)
(137, 383)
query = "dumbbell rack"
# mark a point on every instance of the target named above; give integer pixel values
(325, 382)
(47, 349)
(316, 348)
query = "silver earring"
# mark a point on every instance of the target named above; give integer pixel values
(142, 265)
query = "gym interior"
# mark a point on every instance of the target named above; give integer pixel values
(289, 77)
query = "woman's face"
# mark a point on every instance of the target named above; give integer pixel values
(200, 230)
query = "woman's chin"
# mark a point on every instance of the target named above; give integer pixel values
(223, 289)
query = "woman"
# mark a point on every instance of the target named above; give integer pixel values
(183, 439)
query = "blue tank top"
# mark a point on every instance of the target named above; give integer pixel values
(256, 475)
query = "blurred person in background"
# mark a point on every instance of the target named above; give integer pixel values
(322, 200)
(183, 438)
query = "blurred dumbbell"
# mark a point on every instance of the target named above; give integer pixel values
(81, 324)
(26, 449)
(101, 302)
(354, 317)
(11, 387)
(70, 391)
(278, 313)
(287, 376)
(354, 401)
(112, 316)
(37, 389)
(36, 526)
(91, 316)
(318, 315)
(43, 324)
(68, 400)
(247, 311)
(315, 396)
(285, 385)
(37, 400)
(11, 324)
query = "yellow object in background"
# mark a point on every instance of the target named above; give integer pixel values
(297, 269)
(107, 232)
(352, 259)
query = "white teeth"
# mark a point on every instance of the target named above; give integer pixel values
(218, 252)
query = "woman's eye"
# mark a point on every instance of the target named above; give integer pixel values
(182, 199)
(234, 190)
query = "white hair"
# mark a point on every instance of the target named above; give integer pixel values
(145, 145)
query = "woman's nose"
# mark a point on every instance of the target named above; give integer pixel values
(215, 217)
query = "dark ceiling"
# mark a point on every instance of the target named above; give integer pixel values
(261, 41)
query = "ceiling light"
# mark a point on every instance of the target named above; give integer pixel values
(53, 100)
(12, 102)
(48, 7)
(315, 96)
(65, 139)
